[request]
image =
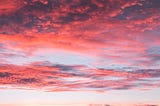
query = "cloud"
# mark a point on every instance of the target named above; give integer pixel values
(59, 77)
(99, 105)
(147, 105)
(113, 32)
(5, 74)
(27, 80)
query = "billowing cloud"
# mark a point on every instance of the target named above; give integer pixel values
(83, 26)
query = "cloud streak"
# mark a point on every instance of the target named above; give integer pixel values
(59, 77)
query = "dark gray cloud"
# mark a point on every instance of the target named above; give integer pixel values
(5, 74)
(28, 80)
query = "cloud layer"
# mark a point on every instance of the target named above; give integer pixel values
(107, 27)
(114, 32)
(59, 77)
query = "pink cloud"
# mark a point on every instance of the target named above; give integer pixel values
(104, 30)
(58, 77)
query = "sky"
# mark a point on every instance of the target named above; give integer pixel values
(79, 52)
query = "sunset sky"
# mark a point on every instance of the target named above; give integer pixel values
(79, 52)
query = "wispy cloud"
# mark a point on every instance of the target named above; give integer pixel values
(59, 77)
(147, 105)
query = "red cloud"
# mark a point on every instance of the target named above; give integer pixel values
(117, 32)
